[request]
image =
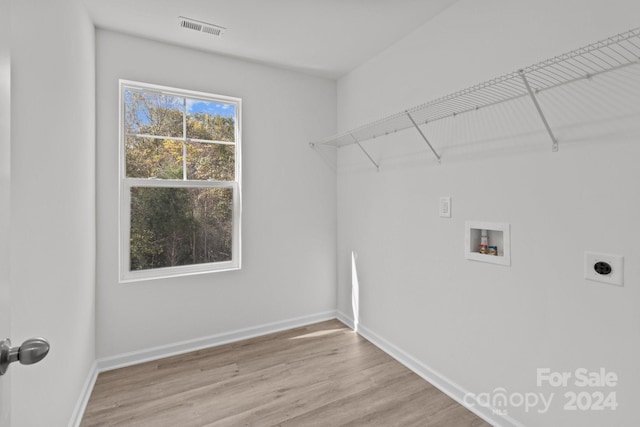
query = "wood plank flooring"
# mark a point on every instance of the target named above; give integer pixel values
(318, 375)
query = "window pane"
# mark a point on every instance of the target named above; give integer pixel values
(210, 161)
(153, 158)
(180, 226)
(212, 121)
(152, 113)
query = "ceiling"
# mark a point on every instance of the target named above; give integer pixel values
(322, 37)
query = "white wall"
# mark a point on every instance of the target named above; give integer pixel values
(483, 326)
(52, 204)
(289, 210)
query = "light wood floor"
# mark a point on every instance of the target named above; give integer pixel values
(319, 375)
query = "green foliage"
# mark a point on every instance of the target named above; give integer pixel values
(173, 226)
(180, 226)
(204, 126)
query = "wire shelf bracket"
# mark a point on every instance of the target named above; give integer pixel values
(365, 152)
(554, 140)
(435, 153)
(612, 53)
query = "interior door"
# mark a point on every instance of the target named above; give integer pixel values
(5, 180)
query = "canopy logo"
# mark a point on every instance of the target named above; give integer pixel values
(499, 400)
(594, 393)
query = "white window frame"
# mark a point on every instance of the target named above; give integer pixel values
(126, 275)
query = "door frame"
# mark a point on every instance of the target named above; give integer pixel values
(5, 199)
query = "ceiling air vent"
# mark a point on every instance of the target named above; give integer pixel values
(203, 27)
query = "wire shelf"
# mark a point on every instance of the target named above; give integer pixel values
(603, 56)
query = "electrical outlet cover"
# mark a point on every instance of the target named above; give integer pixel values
(615, 277)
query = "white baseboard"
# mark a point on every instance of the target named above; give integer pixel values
(85, 394)
(347, 320)
(155, 353)
(448, 387)
(141, 356)
(438, 380)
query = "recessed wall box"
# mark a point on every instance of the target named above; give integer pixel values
(498, 235)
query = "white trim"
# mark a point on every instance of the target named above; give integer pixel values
(85, 394)
(124, 217)
(438, 380)
(347, 320)
(176, 183)
(167, 90)
(141, 356)
(445, 385)
(155, 353)
(179, 138)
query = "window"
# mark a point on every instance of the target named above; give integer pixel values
(180, 182)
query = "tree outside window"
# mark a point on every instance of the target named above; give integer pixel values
(180, 201)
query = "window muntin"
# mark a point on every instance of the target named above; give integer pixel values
(180, 186)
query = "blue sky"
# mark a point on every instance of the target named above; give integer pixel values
(213, 108)
(176, 103)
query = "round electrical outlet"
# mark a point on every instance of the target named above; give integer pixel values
(602, 268)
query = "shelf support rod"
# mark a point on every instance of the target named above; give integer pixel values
(554, 147)
(365, 152)
(422, 135)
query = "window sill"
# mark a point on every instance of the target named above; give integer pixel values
(176, 272)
